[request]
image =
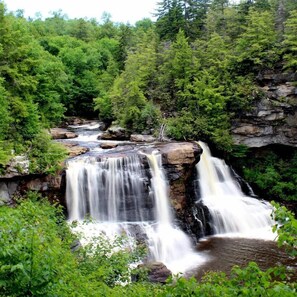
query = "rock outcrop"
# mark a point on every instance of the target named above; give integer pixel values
(49, 185)
(61, 133)
(157, 272)
(273, 119)
(115, 133)
(17, 166)
(179, 160)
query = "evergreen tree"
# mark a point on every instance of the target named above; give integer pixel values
(180, 58)
(224, 19)
(256, 47)
(195, 12)
(132, 91)
(290, 42)
(170, 19)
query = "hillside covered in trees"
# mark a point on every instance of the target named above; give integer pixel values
(193, 69)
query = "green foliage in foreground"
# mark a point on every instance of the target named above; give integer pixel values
(36, 260)
(32, 246)
(286, 228)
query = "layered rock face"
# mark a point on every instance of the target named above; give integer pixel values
(48, 185)
(273, 119)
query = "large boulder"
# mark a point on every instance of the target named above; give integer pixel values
(179, 153)
(179, 160)
(74, 150)
(108, 145)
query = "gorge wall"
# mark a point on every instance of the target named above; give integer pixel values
(273, 118)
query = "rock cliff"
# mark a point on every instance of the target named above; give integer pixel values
(273, 118)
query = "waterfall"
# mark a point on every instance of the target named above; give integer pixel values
(109, 190)
(122, 197)
(167, 243)
(231, 211)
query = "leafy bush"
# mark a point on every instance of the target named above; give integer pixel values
(31, 249)
(150, 117)
(45, 155)
(187, 126)
(104, 106)
(286, 228)
(249, 281)
(5, 153)
(108, 261)
(276, 175)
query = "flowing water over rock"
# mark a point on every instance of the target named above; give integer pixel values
(125, 191)
(232, 212)
(124, 198)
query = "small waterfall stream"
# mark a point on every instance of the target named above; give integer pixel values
(231, 211)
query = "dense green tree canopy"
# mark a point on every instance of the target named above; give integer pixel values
(193, 69)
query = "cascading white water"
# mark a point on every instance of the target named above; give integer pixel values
(231, 211)
(110, 190)
(167, 243)
(114, 192)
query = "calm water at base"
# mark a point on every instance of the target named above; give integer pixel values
(225, 252)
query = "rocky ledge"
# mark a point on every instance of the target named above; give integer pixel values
(178, 158)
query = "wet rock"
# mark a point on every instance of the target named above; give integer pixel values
(115, 133)
(142, 138)
(108, 145)
(60, 133)
(157, 272)
(103, 126)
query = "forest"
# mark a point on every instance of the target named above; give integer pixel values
(192, 70)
